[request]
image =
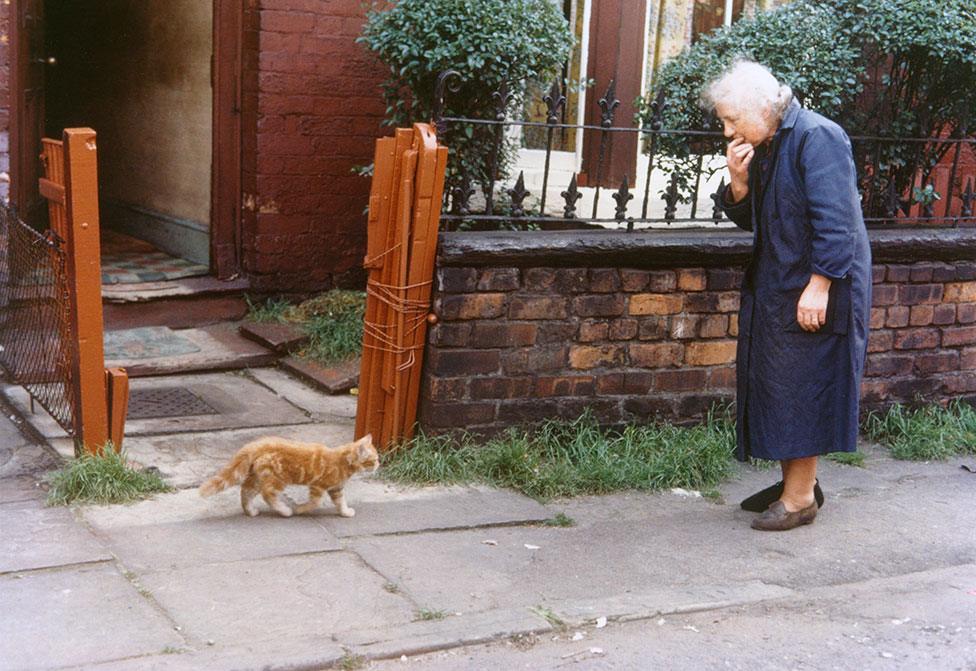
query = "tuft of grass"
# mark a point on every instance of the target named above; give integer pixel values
(930, 432)
(847, 458)
(429, 614)
(351, 662)
(571, 458)
(271, 310)
(333, 322)
(549, 615)
(560, 520)
(391, 587)
(102, 478)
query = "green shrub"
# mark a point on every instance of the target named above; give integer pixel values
(488, 42)
(895, 68)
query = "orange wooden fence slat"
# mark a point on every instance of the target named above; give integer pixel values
(399, 263)
(422, 257)
(405, 197)
(372, 398)
(379, 198)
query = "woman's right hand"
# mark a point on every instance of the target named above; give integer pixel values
(739, 155)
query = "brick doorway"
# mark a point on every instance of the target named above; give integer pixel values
(159, 82)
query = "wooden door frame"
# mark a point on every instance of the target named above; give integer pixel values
(226, 179)
(17, 65)
(226, 163)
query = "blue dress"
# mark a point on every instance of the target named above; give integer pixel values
(797, 392)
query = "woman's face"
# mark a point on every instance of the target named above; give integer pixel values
(751, 128)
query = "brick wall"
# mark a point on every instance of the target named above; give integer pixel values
(516, 345)
(312, 110)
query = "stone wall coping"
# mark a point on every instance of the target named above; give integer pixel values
(674, 248)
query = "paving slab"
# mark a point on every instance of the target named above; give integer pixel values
(628, 543)
(26, 459)
(278, 655)
(23, 488)
(238, 402)
(315, 595)
(666, 600)
(388, 509)
(187, 459)
(337, 378)
(183, 529)
(215, 347)
(319, 405)
(454, 630)
(10, 434)
(282, 338)
(79, 616)
(38, 418)
(38, 537)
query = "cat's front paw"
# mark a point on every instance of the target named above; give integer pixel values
(251, 511)
(347, 512)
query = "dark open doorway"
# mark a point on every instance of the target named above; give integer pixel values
(158, 80)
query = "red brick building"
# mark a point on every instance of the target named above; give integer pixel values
(228, 131)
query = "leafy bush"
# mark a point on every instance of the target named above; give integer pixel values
(894, 68)
(489, 43)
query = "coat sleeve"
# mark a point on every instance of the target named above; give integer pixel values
(740, 213)
(833, 203)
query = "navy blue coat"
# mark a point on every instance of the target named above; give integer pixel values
(797, 392)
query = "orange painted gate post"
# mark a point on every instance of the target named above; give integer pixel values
(71, 185)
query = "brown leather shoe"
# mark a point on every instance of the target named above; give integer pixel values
(778, 518)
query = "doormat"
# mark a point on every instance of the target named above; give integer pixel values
(166, 402)
(132, 268)
(147, 342)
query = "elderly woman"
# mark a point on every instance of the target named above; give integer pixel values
(803, 318)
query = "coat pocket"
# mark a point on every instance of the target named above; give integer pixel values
(838, 309)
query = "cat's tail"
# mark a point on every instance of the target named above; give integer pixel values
(232, 474)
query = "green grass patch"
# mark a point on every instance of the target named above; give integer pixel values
(560, 520)
(102, 478)
(570, 458)
(931, 432)
(333, 322)
(351, 662)
(847, 458)
(426, 614)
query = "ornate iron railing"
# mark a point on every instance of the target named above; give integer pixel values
(677, 174)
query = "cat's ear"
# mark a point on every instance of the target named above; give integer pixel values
(364, 451)
(366, 440)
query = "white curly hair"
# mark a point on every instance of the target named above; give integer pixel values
(750, 89)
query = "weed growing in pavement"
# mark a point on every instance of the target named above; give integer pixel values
(102, 478)
(560, 520)
(571, 458)
(391, 587)
(429, 614)
(549, 615)
(930, 432)
(333, 322)
(848, 458)
(270, 310)
(351, 663)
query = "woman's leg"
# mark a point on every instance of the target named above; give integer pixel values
(799, 477)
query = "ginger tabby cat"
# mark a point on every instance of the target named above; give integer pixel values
(268, 465)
